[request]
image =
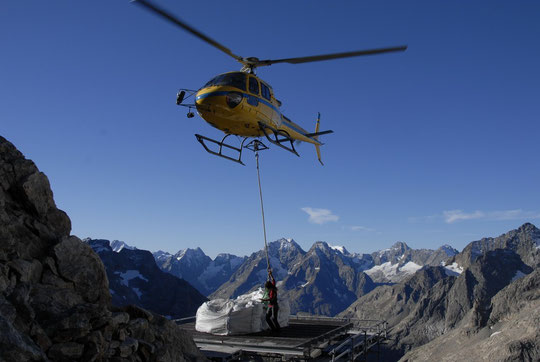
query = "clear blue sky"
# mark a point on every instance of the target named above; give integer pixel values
(439, 144)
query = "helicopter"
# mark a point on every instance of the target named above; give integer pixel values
(242, 104)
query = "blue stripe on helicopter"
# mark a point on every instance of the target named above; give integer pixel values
(245, 95)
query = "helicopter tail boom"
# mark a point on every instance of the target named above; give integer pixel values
(294, 131)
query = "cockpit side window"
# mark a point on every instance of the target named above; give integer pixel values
(253, 85)
(236, 80)
(265, 91)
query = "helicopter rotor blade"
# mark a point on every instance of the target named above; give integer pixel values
(164, 14)
(316, 58)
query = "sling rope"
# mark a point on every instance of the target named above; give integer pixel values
(262, 210)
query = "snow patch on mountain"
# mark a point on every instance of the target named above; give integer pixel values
(117, 246)
(285, 243)
(388, 269)
(453, 269)
(411, 267)
(393, 272)
(129, 275)
(340, 248)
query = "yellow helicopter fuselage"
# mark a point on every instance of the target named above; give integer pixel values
(238, 103)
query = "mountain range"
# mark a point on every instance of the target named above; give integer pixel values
(432, 299)
(324, 280)
(485, 299)
(194, 266)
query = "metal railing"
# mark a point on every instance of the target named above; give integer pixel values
(361, 342)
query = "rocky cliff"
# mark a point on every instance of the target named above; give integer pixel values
(54, 293)
(443, 307)
(325, 281)
(252, 274)
(508, 331)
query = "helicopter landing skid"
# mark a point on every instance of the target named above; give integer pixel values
(222, 145)
(273, 137)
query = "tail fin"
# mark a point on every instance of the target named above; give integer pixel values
(317, 147)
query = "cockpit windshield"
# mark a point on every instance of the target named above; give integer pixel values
(237, 80)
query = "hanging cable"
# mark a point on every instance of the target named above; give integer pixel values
(262, 209)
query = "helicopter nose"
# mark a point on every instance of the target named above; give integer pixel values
(203, 101)
(219, 98)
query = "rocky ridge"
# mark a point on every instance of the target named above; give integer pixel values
(400, 261)
(283, 254)
(507, 331)
(438, 303)
(194, 266)
(524, 241)
(325, 281)
(54, 293)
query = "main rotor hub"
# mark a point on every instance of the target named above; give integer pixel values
(249, 64)
(250, 60)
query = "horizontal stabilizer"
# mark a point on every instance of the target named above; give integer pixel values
(316, 134)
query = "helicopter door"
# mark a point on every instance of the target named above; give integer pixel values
(271, 113)
(254, 89)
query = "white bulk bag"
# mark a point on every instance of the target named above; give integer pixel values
(245, 314)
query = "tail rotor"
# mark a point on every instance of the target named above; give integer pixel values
(317, 147)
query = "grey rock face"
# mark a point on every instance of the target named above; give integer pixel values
(431, 304)
(524, 241)
(78, 263)
(54, 299)
(510, 334)
(400, 261)
(252, 273)
(325, 281)
(134, 278)
(31, 223)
